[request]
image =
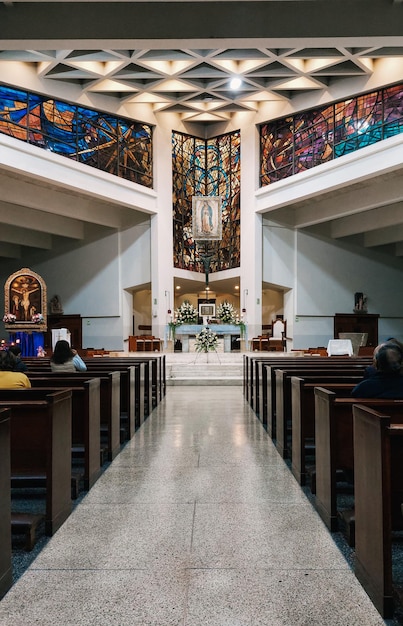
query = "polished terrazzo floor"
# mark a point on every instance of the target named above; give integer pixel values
(197, 522)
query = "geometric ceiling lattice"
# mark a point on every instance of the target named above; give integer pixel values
(180, 79)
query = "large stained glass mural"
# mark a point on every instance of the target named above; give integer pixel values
(112, 144)
(302, 141)
(206, 168)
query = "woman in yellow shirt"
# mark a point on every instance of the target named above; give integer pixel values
(9, 378)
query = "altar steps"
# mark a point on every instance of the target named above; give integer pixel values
(205, 370)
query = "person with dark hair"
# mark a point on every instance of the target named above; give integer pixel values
(20, 366)
(65, 359)
(387, 381)
(9, 378)
(372, 369)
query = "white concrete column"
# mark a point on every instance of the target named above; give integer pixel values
(162, 282)
(251, 234)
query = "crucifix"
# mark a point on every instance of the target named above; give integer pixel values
(206, 260)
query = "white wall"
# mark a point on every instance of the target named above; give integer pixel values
(324, 278)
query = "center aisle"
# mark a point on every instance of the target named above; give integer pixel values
(197, 522)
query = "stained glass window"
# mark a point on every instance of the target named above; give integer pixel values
(109, 143)
(300, 142)
(206, 168)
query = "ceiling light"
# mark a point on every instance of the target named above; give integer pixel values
(235, 83)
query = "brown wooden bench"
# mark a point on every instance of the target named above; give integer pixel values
(154, 377)
(262, 383)
(336, 365)
(109, 400)
(85, 420)
(149, 381)
(41, 446)
(140, 392)
(254, 386)
(26, 524)
(303, 417)
(334, 444)
(6, 573)
(283, 395)
(378, 486)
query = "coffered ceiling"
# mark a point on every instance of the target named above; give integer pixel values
(180, 58)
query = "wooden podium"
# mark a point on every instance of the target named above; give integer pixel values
(73, 323)
(357, 323)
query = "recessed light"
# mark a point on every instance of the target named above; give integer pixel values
(235, 83)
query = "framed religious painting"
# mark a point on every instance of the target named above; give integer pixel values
(206, 218)
(25, 305)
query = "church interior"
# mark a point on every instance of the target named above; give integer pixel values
(156, 156)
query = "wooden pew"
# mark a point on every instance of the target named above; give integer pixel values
(133, 404)
(6, 573)
(157, 369)
(283, 396)
(315, 367)
(378, 486)
(109, 400)
(85, 421)
(334, 444)
(41, 446)
(252, 367)
(303, 417)
(264, 381)
(128, 395)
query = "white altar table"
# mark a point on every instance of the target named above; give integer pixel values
(185, 331)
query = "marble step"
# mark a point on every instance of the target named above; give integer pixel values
(204, 374)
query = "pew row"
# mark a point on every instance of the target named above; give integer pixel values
(6, 575)
(378, 457)
(254, 386)
(334, 444)
(40, 446)
(303, 417)
(109, 383)
(85, 421)
(284, 396)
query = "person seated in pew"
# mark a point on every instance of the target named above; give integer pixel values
(372, 369)
(20, 366)
(387, 382)
(66, 359)
(9, 378)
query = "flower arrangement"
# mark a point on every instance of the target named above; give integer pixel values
(173, 325)
(206, 340)
(226, 313)
(37, 318)
(186, 314)
(9, 318)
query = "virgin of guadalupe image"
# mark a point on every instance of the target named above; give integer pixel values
(206, 218)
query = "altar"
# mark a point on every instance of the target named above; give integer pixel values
(185, 331)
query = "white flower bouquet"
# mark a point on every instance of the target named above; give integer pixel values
(186, 314)
(206, 340)
(9, 318)
(37, 318)
(226, 313)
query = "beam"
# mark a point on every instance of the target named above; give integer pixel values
(10, 251)
(16, 215)
(391, 215)
(383, 236)
(17, 235)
